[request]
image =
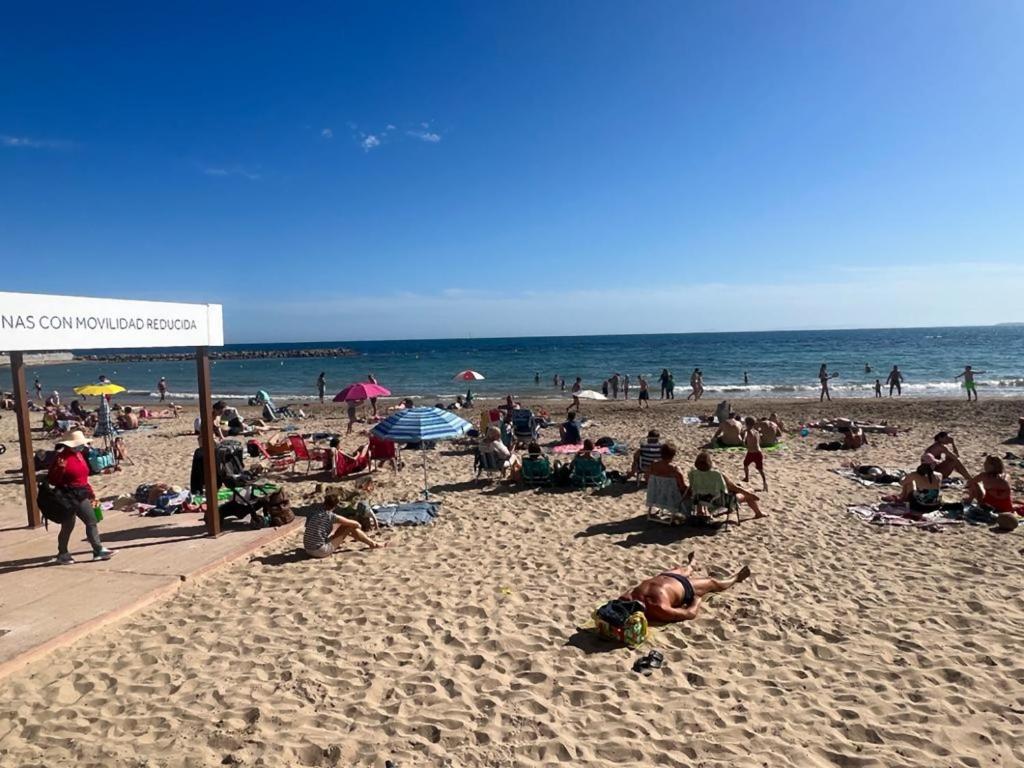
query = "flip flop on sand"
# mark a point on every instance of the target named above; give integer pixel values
(644, 665)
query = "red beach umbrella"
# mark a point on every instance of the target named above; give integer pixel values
(468, 375)
(362, 390)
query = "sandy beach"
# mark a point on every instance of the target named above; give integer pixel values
(460, 644)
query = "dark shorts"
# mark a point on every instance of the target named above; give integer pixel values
(644, 395)
(754, 457)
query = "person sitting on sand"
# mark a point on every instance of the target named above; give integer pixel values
(228, 423)
(708, 484)
(773, 417)
(664, 466)
(991, 488)
(770, 432)
(944, 456)
(676, 595)
(569, 432)
(853, 438)
(729, 433)
(319, 541)
(921, 488)
(128, 419)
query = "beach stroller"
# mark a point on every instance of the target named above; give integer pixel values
(536, 470)
(229, 459)
(524, 426)
(588, 472)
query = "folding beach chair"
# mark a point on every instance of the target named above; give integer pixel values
(276, 463)
(536, 470)
(665, 501)
(304, 453)
(488, 463)
(650, 452)
(382, 450)
(588, 473)
(524, 426)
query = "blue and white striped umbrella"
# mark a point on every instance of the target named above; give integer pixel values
(415, 425)
(418, 425)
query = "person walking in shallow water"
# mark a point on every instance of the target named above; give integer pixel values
(895, 381)
(969, 385)
(321, 385)
(825, 377)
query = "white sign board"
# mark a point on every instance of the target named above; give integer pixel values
(36, 321)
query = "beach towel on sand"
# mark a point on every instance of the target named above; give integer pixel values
(896, 515)
(577, 448)
(413, 513)
(851, 474)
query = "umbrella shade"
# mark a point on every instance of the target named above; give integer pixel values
(468, 375)
(110, 388)
(590, 394)
(416, 425)
(362, 390)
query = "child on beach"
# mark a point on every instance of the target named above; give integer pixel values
(318, 541)
(752, 441)
(969, 386)
(878, 387)
(643, 398)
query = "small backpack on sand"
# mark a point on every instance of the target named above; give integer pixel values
(279, 508)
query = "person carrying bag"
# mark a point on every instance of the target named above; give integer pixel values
(69, 476)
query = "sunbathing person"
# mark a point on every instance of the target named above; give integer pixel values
(921, 489)
(128, 419)
(708, 484)
(944, 456)
(854, 438)
(992, 487)
(771, 432)
(228, 423)
(729, 433)
(675, 595)
(319, 541)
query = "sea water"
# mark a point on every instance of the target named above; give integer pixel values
(777, 364)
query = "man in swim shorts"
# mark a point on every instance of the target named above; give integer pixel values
(675, 595)
(752, 441)
(969, 385)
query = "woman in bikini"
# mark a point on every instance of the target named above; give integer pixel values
(992, 488)
(921, 489)
(675, 595)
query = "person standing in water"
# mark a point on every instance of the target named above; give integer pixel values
(161, 387)
(39, 389)
(625, 387)
(536, 377)
(321, 385)
(824, 377)
(746, 379)
(644, 396)
(969, 385)
(895, 381)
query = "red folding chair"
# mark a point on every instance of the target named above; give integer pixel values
(277, 463)
(382, 450)
(304, 453)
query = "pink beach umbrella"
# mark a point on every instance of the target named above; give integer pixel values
(362, 390)
(468, 375)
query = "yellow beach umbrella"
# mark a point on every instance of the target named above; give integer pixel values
(107, 388)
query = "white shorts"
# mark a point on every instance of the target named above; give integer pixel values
(325, 551)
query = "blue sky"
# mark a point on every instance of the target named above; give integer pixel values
(406, 170)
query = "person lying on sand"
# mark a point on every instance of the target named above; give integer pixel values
(944, 456)
(992, 487)
(839, 424)
(318, 541)
(676, 595)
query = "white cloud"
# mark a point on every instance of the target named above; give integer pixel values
(370, 142)
(327, 133)
(24, 142)
(233, 171)
(424, 135)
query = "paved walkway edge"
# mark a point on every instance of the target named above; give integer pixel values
(76, 633)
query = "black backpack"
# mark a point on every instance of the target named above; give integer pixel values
(56, 504)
